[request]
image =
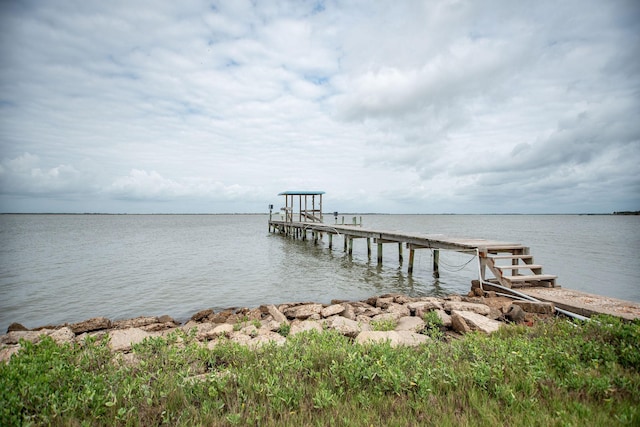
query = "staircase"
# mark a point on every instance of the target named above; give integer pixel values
(513, 267)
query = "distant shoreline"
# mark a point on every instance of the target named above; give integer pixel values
(326, 214)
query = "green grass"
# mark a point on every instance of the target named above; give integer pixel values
(553, 374)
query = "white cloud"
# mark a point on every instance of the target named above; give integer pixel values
(25, 175)
(404, 107)
(144, 185)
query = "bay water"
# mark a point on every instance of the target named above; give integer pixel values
(67, 268)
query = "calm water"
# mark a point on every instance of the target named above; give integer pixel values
(67, 268)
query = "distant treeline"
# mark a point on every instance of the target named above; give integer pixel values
(627, 213)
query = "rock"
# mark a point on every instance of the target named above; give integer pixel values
(14, 337)
(446, 319)
(221, 317)
(303, 311)
(123, 339)
(203, 330)
(63, 335)
(219, 330)
(362, 308)
(272, 325)
(536, 307)
(249, 330)
(386, 316)
(240, 338)
(490, 294)
(264, 309)
(305, 325)
(402, 299)
(189, 325)
(349, 312)
(365, 319)
(458, 324)
(384, 303)
(412, 339)
(332, 310)
(370, 301)
(135, 323)
(266, 339)
(97, 336)
(374, 311)
(515, 313)
(434, 300)
(478, 322)
(347, 327)
(410, 323)
(255, 314)
(7, 352)
(14, 327)
(419, 308)
(395, 338)
(482, 309)
(157, 327)
(201, 315)
(374, 337)
(478, 292)
(90, 325)
(277, 314)
(167, 319)
(398, 309)
(454, 298)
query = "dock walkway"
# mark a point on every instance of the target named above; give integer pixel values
(511, 264)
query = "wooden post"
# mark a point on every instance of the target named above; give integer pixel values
(330, 241)
(411, 256)
(400, 253)
(350, 245)
(369, 247)
(436, 263)
(345, 241)
(286, 208)
(379, 252)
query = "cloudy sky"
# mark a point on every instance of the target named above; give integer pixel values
(388, 106)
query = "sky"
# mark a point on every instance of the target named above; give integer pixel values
(387, 106)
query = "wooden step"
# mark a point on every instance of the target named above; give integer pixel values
(518, 266)
(532, 278)
(511, 256)
(496, 248)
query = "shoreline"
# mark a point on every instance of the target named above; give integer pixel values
(397, 318)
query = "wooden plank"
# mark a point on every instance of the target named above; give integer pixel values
(518, 266)
(532, 278)
(511, 257)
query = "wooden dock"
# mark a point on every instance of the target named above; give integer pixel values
(510, 264)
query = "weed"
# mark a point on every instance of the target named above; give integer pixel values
(555, 373)
(384, 325)
(433, 325)
(284, 329)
